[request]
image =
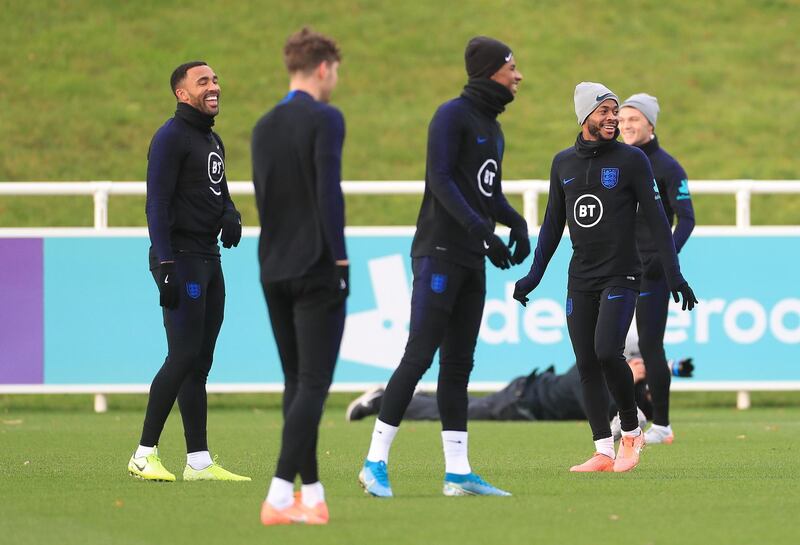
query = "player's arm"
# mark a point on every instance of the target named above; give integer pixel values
(328, 162)
(231, 223)
(164, 158)
(649, 198)
(167, 152)
(681, 201)
(444, 136)
(555, 218)
(506, 215)
(328, 144)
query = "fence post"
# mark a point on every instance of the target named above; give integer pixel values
(530, 207)
(743, 206)
(101, 191)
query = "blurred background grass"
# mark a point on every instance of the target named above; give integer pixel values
(85, 85)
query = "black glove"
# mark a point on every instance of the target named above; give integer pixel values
(519, 237)
(231, 229)
(689, 300)
(522, 288)
(653, 270)
(683, 368)
(343, 280)
(498, 252)
(168, 285)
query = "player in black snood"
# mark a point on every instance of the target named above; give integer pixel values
(188, 204)
(455, 233)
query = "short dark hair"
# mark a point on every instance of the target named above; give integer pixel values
(180, 73)
(306, 49)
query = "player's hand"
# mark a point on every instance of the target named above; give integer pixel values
(231, 229)
(683, 368)
(497, 252)
(168, 285)
(689, 300)
(522, 288)
(519, 238)
(343, 280)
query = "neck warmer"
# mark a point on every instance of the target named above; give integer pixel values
(650, 146)
(488, 95)
(194, 117)
(593, 148)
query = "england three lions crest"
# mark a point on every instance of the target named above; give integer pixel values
(609, 177)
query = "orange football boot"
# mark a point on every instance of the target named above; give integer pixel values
(598, 462)
(294, 514)
(319, 511)
(628, 453)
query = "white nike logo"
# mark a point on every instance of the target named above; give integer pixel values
(166, 279)
(485, 245)
(215, 192)
(508, 58)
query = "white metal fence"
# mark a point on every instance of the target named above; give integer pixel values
(529, 189)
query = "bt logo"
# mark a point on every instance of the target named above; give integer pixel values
(486, 175)
(216, 169)
(588, 210)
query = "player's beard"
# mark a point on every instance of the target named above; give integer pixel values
(199, 103)
(596, 130)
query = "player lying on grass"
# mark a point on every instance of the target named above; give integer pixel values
(539, 396)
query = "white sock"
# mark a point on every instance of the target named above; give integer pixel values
(382, 437)
(199, 460)
(280, 494)
(312, 494)
(454, 444)
(142, 451)
(633, 433)
(606, 446)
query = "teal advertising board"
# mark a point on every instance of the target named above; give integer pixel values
(99, 320)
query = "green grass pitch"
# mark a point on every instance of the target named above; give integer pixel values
(731, 477)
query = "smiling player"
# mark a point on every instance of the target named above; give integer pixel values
(455, 233)
(187, 204)
(637, 123)
(595, 187)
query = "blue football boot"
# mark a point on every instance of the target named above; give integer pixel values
(375, 480)
(469, 485)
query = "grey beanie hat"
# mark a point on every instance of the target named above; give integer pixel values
(647, 104)
(588, 96)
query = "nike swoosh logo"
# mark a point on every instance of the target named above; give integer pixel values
(482, 140)
(568, 181)
(508, 57)
(610, 297)
(140, 468)
(451, 441)
(485, 245)
(166, 279)
(600, 98)
(215, 192)
(645, 293)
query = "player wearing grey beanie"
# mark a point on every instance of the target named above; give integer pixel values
(596, 187)
(637, 121)
(589, 96)
(647, 104)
